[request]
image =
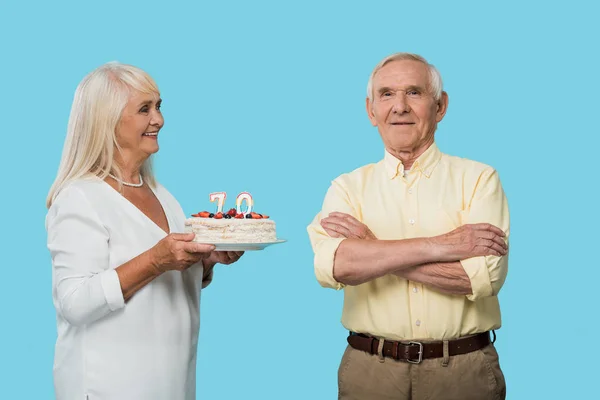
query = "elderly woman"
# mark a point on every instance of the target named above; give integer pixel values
(126, 281)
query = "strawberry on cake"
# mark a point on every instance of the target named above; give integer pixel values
(231, 227)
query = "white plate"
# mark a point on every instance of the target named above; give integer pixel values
(244, 246)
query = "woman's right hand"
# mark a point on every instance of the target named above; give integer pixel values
(177, 252)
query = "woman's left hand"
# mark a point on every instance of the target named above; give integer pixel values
(223, 257)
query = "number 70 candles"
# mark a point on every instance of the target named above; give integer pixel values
(236, 212)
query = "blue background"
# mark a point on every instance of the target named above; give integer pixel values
(269, 98)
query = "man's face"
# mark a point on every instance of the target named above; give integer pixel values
(403, 108)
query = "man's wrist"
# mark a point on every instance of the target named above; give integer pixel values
(433, 249)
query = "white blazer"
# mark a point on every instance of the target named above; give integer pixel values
(106, 349)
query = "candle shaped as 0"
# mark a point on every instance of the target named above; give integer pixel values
(240, 199)
(220, 197)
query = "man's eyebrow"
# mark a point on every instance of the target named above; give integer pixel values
(384, 89)
(415, 87)
(408, 88)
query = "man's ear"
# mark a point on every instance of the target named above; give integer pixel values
(371, 112)
(442, 107)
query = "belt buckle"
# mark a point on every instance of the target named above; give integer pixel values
(420, 358)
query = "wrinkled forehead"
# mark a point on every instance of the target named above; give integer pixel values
(402, 73)
(154, 96)
(136, 98)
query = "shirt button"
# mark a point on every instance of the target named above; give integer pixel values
(410, 191)
(415, 290)
(418, 323)
(411, 221)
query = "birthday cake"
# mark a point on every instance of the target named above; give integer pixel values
(233, 226)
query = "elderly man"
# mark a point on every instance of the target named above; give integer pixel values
(419, 244)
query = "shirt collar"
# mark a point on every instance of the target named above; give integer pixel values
(425, 163)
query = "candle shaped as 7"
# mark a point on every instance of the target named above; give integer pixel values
(220, 197)
(238, 203)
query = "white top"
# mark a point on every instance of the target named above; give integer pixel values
(106, 349)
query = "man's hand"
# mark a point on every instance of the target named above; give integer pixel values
(339, 225)
(468, 241)
(471, 240)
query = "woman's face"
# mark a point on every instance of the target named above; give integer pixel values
(137, 131)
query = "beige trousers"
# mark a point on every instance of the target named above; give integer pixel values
(472, 376)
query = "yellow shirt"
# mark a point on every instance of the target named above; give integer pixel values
(437, 195)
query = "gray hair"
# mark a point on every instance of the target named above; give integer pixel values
(435, 79)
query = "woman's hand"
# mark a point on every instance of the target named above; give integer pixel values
(177, 252)
(223, 257)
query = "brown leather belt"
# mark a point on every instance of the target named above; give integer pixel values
(415, 352)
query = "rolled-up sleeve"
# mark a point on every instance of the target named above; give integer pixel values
(84, 287)
(323, 245)
(488, 205)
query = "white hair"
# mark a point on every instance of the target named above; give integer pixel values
(91, 141)
(435, 79)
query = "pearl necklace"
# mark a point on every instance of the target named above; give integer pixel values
(137, 185)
